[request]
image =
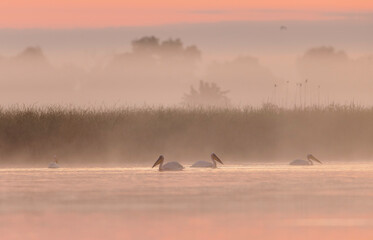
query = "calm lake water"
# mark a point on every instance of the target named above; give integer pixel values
(273, 201)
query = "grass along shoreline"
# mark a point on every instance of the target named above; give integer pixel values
(33, 134)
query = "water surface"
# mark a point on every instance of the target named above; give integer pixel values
(271, 201)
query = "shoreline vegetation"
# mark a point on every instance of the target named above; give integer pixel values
(135, 135)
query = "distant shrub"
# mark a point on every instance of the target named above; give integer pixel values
(207, 95)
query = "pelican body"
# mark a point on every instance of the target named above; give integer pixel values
(170, 166)
(205, 164)
(309, 161)
(54, 164)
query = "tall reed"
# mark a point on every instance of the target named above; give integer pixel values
(269, 133)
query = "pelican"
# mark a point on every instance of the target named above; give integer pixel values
(54, 163)
(205, 164)
(310, 157)
(170, 166)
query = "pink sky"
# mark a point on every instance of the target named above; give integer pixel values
(100, 13)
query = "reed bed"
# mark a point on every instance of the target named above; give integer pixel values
(136, 135)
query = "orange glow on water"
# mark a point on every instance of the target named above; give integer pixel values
(154, 226)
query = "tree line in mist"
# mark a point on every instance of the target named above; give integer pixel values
(169, 72)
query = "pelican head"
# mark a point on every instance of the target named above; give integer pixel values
(214, 157)
(311, 157)
(159, 160)
(55, 159)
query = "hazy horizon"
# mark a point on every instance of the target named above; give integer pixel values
(74, 56)
(186, 119)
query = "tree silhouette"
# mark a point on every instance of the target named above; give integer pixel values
(151, 52)
(208, 94)
(146, 45)
(169, 49)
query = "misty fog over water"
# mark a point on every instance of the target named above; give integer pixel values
(249, 63)
(268, 201)
(105, 103)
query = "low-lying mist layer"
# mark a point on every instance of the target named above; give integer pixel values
(161, 72)
(139, 135)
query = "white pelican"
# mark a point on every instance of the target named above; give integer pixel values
(205, 164)
(54, 163)
(310, 157)
(170, 166)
